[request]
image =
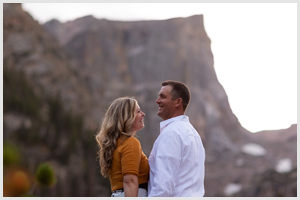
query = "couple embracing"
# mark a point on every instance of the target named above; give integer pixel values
(175, 167)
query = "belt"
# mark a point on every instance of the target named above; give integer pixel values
(142, 185)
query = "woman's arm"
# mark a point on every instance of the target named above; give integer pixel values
(131, 185)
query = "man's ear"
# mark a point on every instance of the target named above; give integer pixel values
(178, 102)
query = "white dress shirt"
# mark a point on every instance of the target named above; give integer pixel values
(177, 160)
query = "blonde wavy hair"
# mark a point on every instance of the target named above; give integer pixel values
(117, 122)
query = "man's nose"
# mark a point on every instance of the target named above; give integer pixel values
(157, 100)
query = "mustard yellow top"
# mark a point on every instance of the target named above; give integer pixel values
(128, 158)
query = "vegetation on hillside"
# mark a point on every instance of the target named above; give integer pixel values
(46, 125)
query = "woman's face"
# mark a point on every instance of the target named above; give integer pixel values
(138, 123)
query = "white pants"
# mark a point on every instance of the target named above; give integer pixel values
(142, 193)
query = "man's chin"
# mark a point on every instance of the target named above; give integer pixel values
(159, 114)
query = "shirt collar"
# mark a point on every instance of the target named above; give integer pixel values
(166, 122)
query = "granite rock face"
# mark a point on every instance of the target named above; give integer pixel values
(28, 47)
(90, 62)
(133, 58)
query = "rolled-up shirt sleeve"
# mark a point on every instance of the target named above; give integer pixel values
(166, 165)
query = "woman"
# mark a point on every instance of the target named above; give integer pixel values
(121, 156)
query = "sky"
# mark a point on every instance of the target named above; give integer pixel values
(254, 47)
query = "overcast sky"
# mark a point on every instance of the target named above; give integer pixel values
(254, 48)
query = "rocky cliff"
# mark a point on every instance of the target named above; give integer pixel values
(133, 58)
(90, 61)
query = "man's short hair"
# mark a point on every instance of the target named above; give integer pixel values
(179, 90)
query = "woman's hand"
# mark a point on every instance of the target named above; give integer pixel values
(131, 185)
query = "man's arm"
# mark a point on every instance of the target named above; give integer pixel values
(167, 165)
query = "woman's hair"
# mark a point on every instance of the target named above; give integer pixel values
(116, 123)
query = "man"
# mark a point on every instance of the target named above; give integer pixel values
(177, 158)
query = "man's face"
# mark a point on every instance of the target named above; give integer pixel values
(166, 104)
